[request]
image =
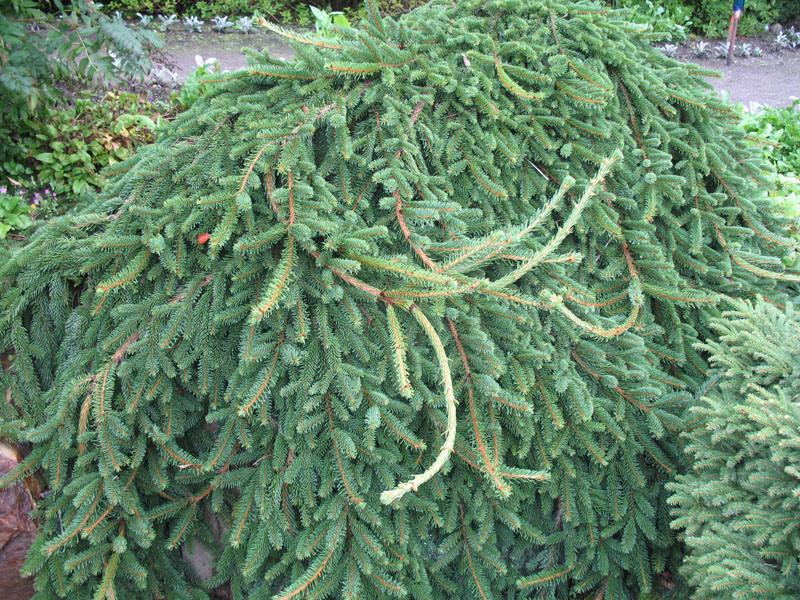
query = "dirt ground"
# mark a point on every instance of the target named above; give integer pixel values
(772, 79)
(182, 47)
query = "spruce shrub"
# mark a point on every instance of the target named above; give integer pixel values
(413, 315)
(739, 504)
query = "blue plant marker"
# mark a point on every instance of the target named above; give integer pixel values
(738, 5)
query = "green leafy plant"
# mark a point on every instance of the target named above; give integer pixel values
(785, 10)
(738, 504)
(221, 24)
(144, 20)
(672, 19)
(284, 11)
(164, 7)
(195, 86)
(66, 150)
(167, 21)
(780, 127)
(80, 43)
(194, 24)
(13, 212)
(360, 12)
(244, 24)
(323, 20)
(277, 10)
(708, 17)
(211, 8)
(414, 314)
(713, 16)
(776, 130)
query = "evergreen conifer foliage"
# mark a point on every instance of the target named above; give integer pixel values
(414, 315)
(739, 504)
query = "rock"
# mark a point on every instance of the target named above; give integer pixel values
(17, 531)
(202, 558)
(776, 28)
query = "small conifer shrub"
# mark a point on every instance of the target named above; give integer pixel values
(739, 503)
(413, 315)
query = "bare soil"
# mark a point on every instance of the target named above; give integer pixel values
(772, 79)
(182, 47)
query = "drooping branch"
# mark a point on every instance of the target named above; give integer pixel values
(401, 490)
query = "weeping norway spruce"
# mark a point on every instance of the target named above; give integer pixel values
(413, 315)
